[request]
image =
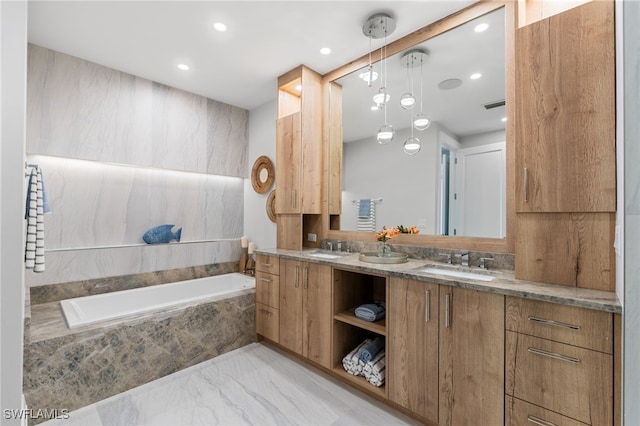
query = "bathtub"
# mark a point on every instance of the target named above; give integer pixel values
(87, 310)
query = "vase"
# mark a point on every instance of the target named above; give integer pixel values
(384, 250)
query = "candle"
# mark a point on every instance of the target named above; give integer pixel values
(243, 242)
(252, 247)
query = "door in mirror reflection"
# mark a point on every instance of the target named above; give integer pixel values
(473, 191)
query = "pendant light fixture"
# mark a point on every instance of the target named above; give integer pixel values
(379, 26)
(421, 121)
(407, 100)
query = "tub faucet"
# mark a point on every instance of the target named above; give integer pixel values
(464, 258)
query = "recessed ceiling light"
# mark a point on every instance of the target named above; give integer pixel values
(325, 51)
(504, 119)
(299, 87)
(475, 76)
(183, 67)
(219, 26)
(481, 27)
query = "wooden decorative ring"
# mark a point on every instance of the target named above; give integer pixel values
(271, 206)
(262, 163)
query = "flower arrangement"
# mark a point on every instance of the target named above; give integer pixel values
(387, 233)
(410, 230)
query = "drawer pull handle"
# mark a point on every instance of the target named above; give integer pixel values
(266, 311)
(554, 355)
(426, 305)
(266, 280)
(554, 323)
(447, 310)
(539, 422)
(268, 265)
(526, 185)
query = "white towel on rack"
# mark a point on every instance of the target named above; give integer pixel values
(366, 223)
(34, 250)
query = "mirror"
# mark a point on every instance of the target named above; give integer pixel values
(262, 174)
(456, 183)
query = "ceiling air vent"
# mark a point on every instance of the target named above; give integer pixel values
(495, 104)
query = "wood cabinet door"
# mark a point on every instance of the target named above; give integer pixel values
(291, 305)
(288, 164)
(316, 320)
(471, 357)
(565, 112)
(412, 346)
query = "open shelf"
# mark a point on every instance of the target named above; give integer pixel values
(349, 317)
(360, 381)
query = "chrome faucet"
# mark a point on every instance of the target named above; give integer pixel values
(448, 255)
(483, 260)
(464, 258)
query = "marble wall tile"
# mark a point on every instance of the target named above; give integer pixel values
(179, 129)
(227, 141)
(76, 265)
(67, 290)
(80, 109)
(77, 370)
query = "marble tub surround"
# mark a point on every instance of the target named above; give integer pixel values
(79, 368)
(253, 385)
(502, 261)
(69, 290)
(504, 282)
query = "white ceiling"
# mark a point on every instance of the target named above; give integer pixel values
(240, 66)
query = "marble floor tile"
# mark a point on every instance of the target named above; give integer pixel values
(253, 385)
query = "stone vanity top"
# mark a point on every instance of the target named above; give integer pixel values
(503, 283)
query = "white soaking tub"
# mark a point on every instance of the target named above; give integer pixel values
(87, 310)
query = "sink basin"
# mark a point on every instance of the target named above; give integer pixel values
(458, 274)
(324, 255)
(393, 257)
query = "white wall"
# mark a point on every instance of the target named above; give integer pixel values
(629, 192)
(13, 74)
(262, 141)
(483, 139)
(406, 183)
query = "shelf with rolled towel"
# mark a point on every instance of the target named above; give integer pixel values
(349, 317)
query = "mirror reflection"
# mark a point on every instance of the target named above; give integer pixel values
(455, 183)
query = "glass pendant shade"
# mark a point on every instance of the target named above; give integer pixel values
(412, 145)
(421, 121)
(407, 101)
(385, 134)
(382, 97)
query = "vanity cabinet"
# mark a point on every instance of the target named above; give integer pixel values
(412, 370)
(305, 309)
(446, 352)
(268, 297)
(565, 148)
(471, 357)
(299, 142)
(565, 112)
(559, 364)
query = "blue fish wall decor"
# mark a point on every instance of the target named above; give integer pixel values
(161, 234)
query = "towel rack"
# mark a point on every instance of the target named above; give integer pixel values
(26, 168)
(375, 200)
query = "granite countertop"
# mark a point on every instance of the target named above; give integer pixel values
(504, 282)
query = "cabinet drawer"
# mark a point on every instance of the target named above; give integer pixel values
(267, 263)
(566, 324)
(268, 322)
(572, 381)
(268, 289)
(519, 413)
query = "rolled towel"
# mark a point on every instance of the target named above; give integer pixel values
(372, 349)
(374, 370)
(371, 311)
(351, 362)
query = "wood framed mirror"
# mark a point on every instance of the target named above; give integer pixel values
(338, 224)
(262, 174)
